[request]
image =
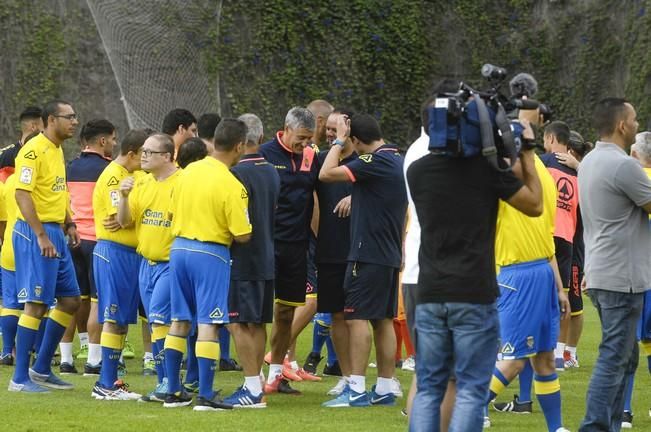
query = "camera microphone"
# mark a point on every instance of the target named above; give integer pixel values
(523, 84)
(525, 104)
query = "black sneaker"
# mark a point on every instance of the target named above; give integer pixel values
(7, 360)
(332, 370)
(627, 420)
(311, 362)
(214, 404)
(515, 406)
(92, 370)
(178, 399)
(229, 365)
(67, 369)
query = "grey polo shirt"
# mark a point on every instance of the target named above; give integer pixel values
(613, 187)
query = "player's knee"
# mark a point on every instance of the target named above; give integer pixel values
(69, 304)
(284, 313)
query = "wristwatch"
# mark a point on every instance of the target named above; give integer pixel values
(339, 142)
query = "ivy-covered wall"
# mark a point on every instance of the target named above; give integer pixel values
(378, 56)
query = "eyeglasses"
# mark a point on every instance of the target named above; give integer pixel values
(147, 153)
(67, 116)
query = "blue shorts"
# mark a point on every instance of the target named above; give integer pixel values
(200, 279)
(43, 279)
(325, 319)
(644, 324)
(116, 267)
(155, 290)
(10, 298)
(528, 309)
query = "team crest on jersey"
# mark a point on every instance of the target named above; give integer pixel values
(115, 198)
(530, 341)
(31, 155)
(366, 158)
(22, 293)
(216, 314)
(26, 175)
(113, 181)
(507, 348)
(38, 291)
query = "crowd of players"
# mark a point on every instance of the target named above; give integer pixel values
(225, 229)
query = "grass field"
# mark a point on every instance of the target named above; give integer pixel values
(75, 410)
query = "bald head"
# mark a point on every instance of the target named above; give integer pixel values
(321, 110)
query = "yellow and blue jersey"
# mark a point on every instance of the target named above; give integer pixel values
(41, 170)
(11, 211)
(210, 204)
(520, 238)
(106, 198)
(150, 203)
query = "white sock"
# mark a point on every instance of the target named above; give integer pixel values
(571, 350)
(383, 386)
(94, 354)
(66, 352)
(294, 365)
(274, 371)
(357, 383)
(560, 348)
(83, 339)
(253, 384)
(148, 356)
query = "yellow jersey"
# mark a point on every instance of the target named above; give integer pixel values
(11, 209)
(41, 170)
(150, 203)
(106, 198)
(520, 238)
(210, 204)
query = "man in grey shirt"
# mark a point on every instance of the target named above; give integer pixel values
(615, 201)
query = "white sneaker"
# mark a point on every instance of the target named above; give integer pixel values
(338, 388)
(119, 391)
(409, 364)
(487, 423)
(396, 387)
(562, 429)
(372, 365)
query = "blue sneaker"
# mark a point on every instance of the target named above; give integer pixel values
(388, 399)
(341, 401)
(28, 387)
(51, 380)
(156, 395)
(243, 398)
(358, 399)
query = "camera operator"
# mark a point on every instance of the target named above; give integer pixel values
(456, 202)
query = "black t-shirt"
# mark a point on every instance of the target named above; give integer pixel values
(298, 174)
(254, 260)
(333, 241)
(456, 201)
(379, 207)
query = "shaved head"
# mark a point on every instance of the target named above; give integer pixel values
(320, 108)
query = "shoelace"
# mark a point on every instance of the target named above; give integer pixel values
(122, 385)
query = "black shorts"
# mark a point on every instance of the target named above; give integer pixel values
(330, 278)
(575, 296)
(564, 260)
(409, 302)
(251, 301)
(371, 291)
(291, 272)
(312, 278)
(82, 258)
